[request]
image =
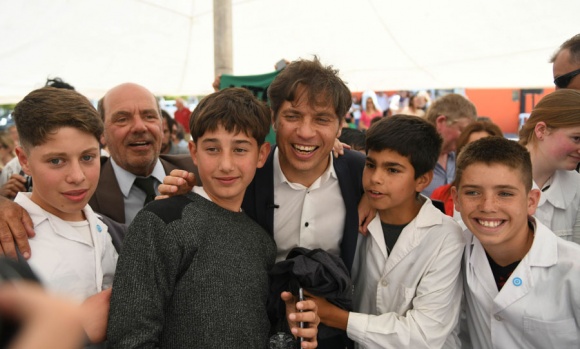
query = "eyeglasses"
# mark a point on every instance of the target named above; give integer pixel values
(563, 81)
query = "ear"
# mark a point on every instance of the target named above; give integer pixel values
(192, 151)
(423, 181)
(23, 158)
(440, 122)
(541, 130)
(263, 153)
(533, 200)
(455, 196)
(339, 129)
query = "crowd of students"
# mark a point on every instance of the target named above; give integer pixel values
(193, 269)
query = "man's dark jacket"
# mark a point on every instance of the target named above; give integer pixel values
(108, 198)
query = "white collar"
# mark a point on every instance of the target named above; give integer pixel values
(280, 178)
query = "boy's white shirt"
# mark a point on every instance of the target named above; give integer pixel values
(412, 298)
(559, 205)
(60, 257)
(539, 305)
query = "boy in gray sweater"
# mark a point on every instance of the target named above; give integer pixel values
(193, 272)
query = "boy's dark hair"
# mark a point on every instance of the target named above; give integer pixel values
(236, 110)
(47, 109)
(58, 83)
(410, 136)
(353, 137)
(321, 82)
(496, 150)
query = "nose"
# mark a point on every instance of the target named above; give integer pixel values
(139, 123)
(488, 203)
(376, 177)
(306, 129)
(226, 162)
(76, 173)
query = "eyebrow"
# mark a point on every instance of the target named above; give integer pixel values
(64, 154)
(385, 164)
(236, 141)
(503, 186)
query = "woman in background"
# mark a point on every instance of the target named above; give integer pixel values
(552, 136)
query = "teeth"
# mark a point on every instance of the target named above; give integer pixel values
(489, 224)
(375, 192)
(304, 148)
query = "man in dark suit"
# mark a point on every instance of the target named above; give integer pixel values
(133, 134)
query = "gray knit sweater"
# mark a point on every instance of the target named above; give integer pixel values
(191, 275)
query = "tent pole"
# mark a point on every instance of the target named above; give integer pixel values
(222, 37)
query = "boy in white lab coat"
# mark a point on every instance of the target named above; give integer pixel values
(521, 282)
(407, 270)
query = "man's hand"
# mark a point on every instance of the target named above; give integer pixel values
(16, 183)
(178, 182)
(15, 225)
(365, 214)
(308, 315)
(95, 315)
(45, 321)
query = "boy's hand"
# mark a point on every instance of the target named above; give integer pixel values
(338, 148)
(95, 315)
(330, 314)
(178, 182)
(308, 315)
(365, 214)
(16, 183)
(15, 226)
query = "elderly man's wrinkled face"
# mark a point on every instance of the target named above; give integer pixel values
(133, 128)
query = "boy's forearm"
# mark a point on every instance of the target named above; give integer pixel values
(334, 317)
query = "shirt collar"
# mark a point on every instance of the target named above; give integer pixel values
(280, 178)
(126, 178)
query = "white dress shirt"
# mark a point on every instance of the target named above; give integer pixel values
(63, 259)
(134, 197)
(308, 217)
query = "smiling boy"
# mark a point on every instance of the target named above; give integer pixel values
(59, 133)
(194, 268)
(407, 270)
(521, 281)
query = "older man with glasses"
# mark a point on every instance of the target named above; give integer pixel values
(566, 64)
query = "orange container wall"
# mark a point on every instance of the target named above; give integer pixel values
(501, 106)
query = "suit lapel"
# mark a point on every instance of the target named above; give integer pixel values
(108, 198)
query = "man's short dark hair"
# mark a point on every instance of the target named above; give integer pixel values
(236, 110)
(496, 150)
(410, 136)
(170, 121)
(45, 110)
(322, 83)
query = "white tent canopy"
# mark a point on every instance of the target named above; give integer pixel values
(167, 45)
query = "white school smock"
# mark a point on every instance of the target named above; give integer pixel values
(539, 305)
(412, 298)
(62, 260)
(559, 205)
